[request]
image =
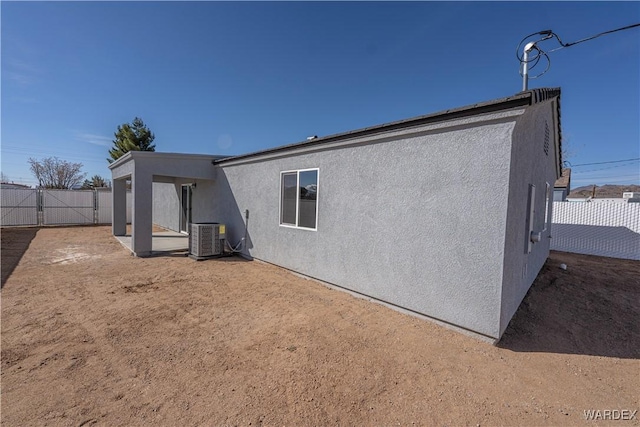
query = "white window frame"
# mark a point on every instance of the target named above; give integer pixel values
(297, 172)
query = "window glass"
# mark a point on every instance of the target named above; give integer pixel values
(308, 199)
(289, 196)
(299, 198)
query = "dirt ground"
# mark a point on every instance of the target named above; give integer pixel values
(94, 336)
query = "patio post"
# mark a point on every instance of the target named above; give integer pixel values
(141, 211)
(119, 207)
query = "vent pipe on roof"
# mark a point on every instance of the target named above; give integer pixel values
(525, 59)
(525, 65)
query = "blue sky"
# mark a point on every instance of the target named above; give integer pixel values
(236, 77)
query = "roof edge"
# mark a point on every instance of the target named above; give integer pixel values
(120, 160)
(521, 99)
(132, 155)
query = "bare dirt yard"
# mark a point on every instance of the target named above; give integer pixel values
(94, 336)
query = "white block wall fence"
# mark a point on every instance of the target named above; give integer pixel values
(603, 229)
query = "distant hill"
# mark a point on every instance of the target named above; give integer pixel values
(604, 191)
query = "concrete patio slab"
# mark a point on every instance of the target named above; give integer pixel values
(162, 242)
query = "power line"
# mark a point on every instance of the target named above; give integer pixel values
(592, 37)
(606, 177)
(525, 60)
(83, 158)
(602, 169)
(604, 163)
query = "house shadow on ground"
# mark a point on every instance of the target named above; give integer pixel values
(14, 242)
(591, 308)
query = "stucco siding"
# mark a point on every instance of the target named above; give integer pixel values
(203, 201)
(416, 220)
(530, 166)
(166, 205)
(167, 202)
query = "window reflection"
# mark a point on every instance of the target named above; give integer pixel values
(289, 184)
(298, 200)
(308, 199)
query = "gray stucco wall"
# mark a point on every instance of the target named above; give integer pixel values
(166, 205)
(203, 202)
(166, 202)
(530, 165)
(415, 218)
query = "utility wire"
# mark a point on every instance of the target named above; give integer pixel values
(604, 163)
(602, 169)
(592, 37)
(549, 34)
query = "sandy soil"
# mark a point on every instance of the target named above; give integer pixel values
(94, 336)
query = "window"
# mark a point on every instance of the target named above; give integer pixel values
(531, 217)
(547, 208)
(299, 198)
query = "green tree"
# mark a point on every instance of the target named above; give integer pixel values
(55, 173)
(96, 181)
(134, 136)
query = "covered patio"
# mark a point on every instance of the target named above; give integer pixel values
(162, 242)
(143, 169)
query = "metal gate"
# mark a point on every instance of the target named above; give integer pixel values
(19, 206)
(67, 207)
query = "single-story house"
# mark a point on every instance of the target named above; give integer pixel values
(562, 186)
(445, 215)
(12, 186)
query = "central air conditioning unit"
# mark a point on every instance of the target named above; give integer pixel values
(206, 240)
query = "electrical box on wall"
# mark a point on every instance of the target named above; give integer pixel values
(206, 240)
